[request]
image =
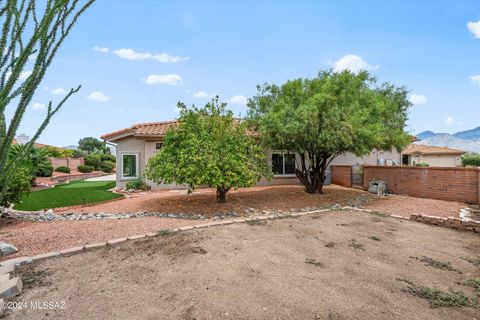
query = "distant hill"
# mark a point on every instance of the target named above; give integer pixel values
(473, 134)
(468, 140)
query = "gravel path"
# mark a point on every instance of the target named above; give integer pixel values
(405, 206)
(32, 238)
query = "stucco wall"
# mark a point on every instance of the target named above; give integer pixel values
(443, 160)
(372, 159)
(129, 145)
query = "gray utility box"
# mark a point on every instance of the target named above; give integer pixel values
(328, 177)
(377, 186)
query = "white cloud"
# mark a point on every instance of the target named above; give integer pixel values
(353, 63)
(59, 91)
(101, 49)
(474, 27)
(417, 99)
(475, 79)
(168, 79)
(98, 96)
(238, 99)
(131, 54)
(24, 75)
(38, 106)
(203, 94)
(450, 120)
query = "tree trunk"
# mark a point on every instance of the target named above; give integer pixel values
(312, 177)
(222, 194)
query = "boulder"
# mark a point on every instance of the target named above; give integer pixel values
(6, 249)
(377, 186)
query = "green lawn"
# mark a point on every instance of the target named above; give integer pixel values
(69, 194)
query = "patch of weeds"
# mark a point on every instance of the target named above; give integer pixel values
(474, 261)
(356, 245)
(330, 244)
(474, 283)
(255, 222)
(317, 217)
(32, 278)
(287, 216)
(374, 238)
(437, 264)
(163, 232)
(314, 262)
(199, 250)
(436, 297)
(379, 213)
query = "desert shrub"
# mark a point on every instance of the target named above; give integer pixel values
(45, 170)
(62, 169)
(137, 185)
(107, 166)
(85, 168)
(422, 164)
(471, 159)
(108, 157)
(93, 160)
(18, 185)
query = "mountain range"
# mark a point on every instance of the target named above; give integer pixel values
(468, 140)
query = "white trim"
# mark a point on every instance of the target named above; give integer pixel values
(137, 164)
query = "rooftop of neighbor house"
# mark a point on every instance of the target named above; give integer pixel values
(147, 129)
(430, 150)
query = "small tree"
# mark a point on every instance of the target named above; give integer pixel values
(329, 115)
(209, 147)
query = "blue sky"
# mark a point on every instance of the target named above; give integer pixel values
(136, 59)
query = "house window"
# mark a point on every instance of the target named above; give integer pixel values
(129, 165)
(158, 145)
(283, 163)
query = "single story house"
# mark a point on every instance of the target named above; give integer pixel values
(136, 144)
(432, 155)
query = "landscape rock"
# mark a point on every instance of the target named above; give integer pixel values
(11, 288)
(6, 249)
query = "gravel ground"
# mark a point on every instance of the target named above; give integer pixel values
(405, 206)
(203, 202)
(302, 268)
(32, 238)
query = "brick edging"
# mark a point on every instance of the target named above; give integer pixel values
(450, 222)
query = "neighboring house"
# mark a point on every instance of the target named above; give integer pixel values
(434, 156)
(137, 144)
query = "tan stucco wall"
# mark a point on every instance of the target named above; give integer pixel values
(372, 159)
(129, 145)
(443, 160)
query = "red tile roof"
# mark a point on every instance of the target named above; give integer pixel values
(424, 149)
(148, 129)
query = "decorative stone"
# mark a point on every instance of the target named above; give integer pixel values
(11, 288)
(7, 249)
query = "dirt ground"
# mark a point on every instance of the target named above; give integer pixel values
(405, 206)
(336, 265)
(203, 202)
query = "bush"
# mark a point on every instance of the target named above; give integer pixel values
(62, 169)
(422, 164)
(108, 157)
(18, 185)
(137, 185)
(44, 170)
(93, 160)
(85, 168)
(471, 159)
(107, 166)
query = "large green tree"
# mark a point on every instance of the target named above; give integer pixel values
(32, 33)
(92, 145)
(209, 147)
(331, 114)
